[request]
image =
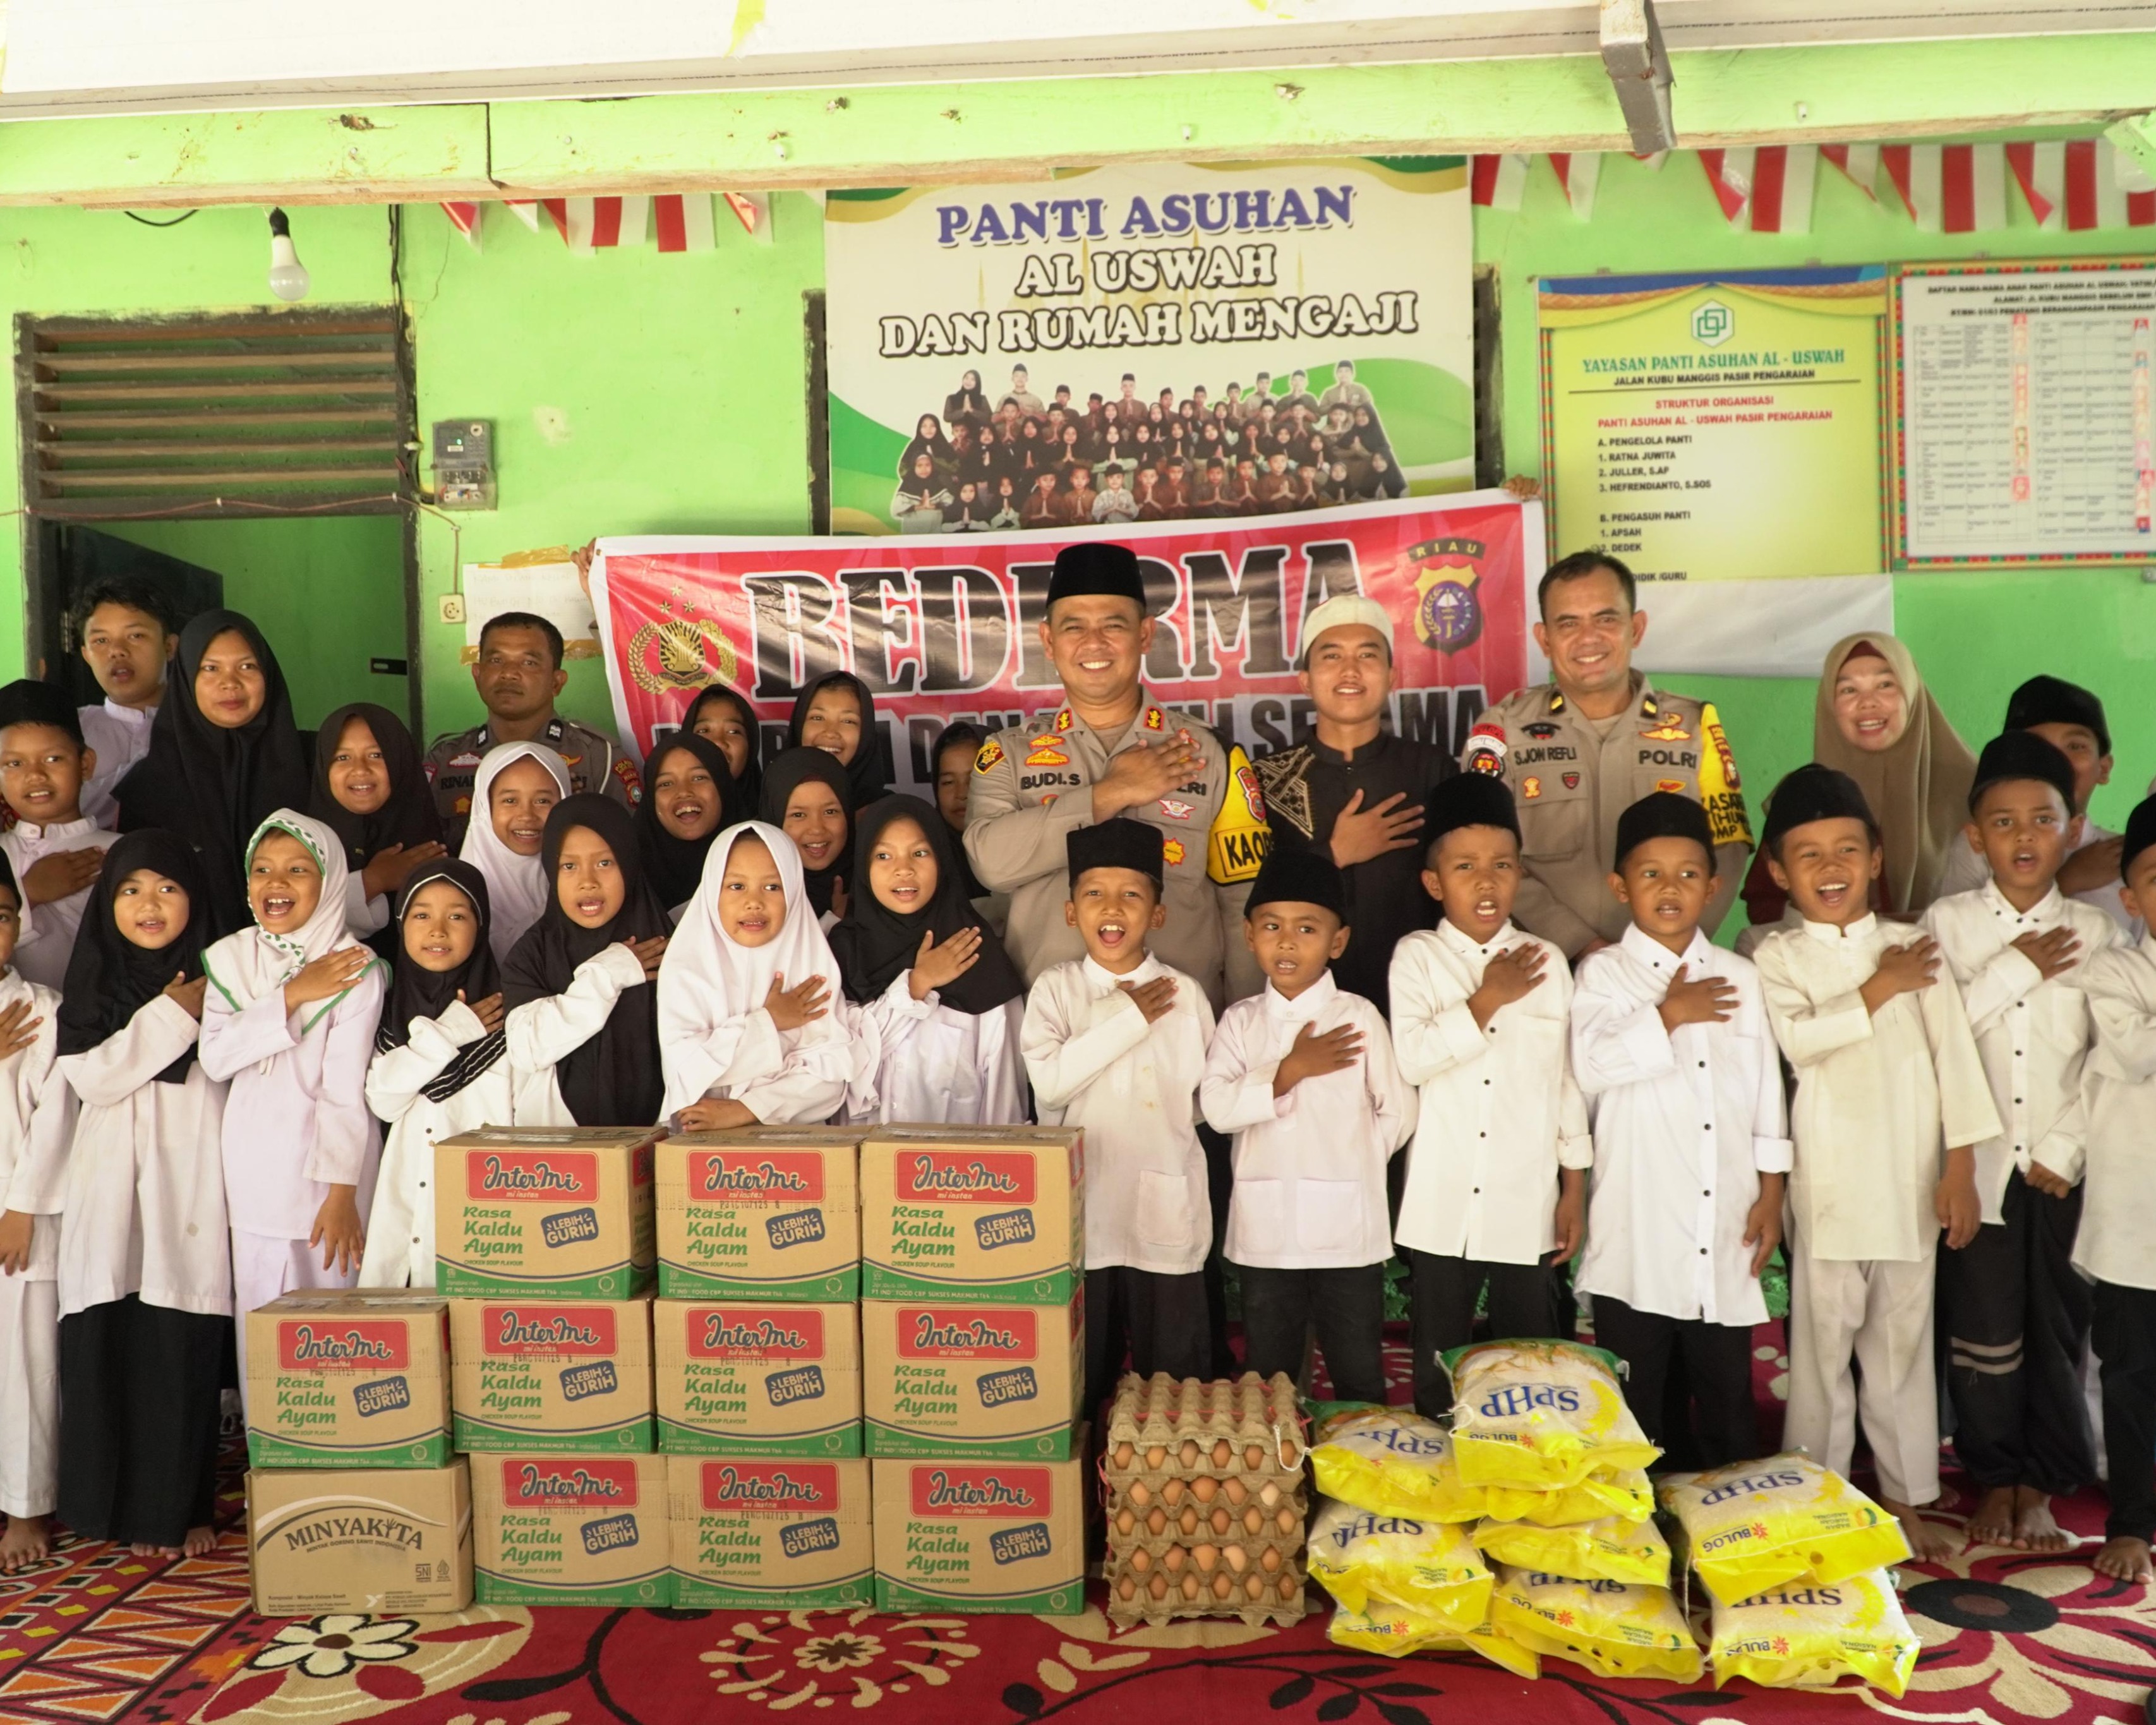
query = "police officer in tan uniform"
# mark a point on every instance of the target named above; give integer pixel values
(518, 673)
(1578, 752)
(1112, 751)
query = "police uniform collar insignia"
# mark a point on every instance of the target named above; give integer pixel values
(1647, 710)
(557, 728)
(1064, 720)
(1557, 698)
(1155, 719)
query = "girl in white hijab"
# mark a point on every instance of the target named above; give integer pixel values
(510, 804)
(745, 1031)
(289, 1017)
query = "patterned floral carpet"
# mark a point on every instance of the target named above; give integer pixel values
(98, 1635)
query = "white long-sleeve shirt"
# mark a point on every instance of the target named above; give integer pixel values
(1095, 1063)
(400, 1228)
(1310, 1166)
(1499, 1114)
(543, 1031)
(2031, 1034)
(297, 1121)
(1686, 1121)
(140, 1170)
(920, 1061)
(2117, 1238)
(121, 735)
(363, 915)
(1967, 869)
(1880, 1097)
(783, 1077)
(42, 954)
(30, 1184)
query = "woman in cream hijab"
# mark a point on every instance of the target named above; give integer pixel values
(1874, 720)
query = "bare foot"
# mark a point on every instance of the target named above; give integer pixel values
(1993, 1523)
(28, 1540)
(1928, 1542)
(142, 1548)
(2125, 1560)
(2034, 1527)
(201, 1542)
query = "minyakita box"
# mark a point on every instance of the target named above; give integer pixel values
(570, 1530)
(991, 1214)
(381, 1540)
(981, 1536)
(781, 1534)
(776, 1378)
(572, 1376)
(973, 1381)
(342, 1379)
(565, 1211)
(763, 1213)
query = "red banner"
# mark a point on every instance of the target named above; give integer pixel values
(947, 627)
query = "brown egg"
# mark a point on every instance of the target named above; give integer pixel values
(1224, 1586)
(1205, 1557)
(1253, 1519)
(1192, 1586)
(1155, 1457)
(1124, 1452)
(1156, 1523)
(1254, 1587)
(1235, 1489)
(1141, 1559)
(1223, 1452)
(1269, 1559)
(1175, 1556)
(1141, 1493)
(1237, 1558)
(1254, 1457)
(1158, 1587)
(1269, 1494)
(1204, 1487)
(1291, 1455)
(1289, 1587)
(1189, 1523)
(1287, 1519)
(1126, 1589)
(1188, 1455)
(1171, 1493)
(1221, 1520)
(1125, 1520)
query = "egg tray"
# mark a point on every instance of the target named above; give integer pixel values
(1281, 1602)
(1269, 1532)
(1247, 1424)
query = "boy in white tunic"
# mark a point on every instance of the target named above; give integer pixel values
(2116, 1247)
(1671, 1047)
(1114, 1043)
(29, 1258)
(288, 1021)
(1890, 1102)
(55, 849)
(1302, 1076)
(2016, 1316)
(1497, 1186)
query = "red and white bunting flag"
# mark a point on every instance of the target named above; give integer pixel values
(1499, 181)
(590, 224)
(2040, 172)
(1652, 161)
(1579, 175)
(465, 218)
(1949, 188)
(1729, 174)
(525, 209)
(1858, 162)
(2098, 194)
(683, 220)
(752, 210)
(1783, 177)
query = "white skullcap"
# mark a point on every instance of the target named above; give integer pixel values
(1341, 610)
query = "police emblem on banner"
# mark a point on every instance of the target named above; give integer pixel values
(1448, 615)
(681, 651)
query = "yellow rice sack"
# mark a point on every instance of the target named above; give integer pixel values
(1395, 1632)
(1391, 1461)
(1624, 1493)
(1540, 1414)
(1610, 1550)
(1430, 1568)
(1809, 1637)
(1753, 1526)
(1608, 1626)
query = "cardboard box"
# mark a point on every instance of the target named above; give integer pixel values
(571, 1376)
(780, 1535)
(570, 1530)
(779, 1378)
(387, 1540)
(341, 1379)
(563, 1211)
(995, 1214)
(977, 1381)
(981, 1536)
(765, 1213)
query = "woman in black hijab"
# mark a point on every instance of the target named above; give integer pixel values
(371, 790)
(224, 756)
(610, 1077)
(837, 714)
(805, 796)
(722, 716)
(687, 801)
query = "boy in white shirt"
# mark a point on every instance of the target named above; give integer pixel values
(1302, 1076)
(2016, 1317)
(55, 849)
(1671, 1047)
(1114, 1043)
(1497, 1186)
(1891, 1100)
(2117, 1246)
(127, 634)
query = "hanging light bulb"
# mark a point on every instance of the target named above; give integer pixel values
(287, 275)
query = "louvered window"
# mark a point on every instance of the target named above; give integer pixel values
(217, 415)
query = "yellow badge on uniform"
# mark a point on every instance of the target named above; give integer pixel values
(1172, 851)
(1237, 843)
(1530, 788)
(1669, 731)
(1046, 754)
(1720, 790)
(990, 757)
(1675, 786)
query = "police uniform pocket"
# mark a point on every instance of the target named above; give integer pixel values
(1328, 1214)
(1551, 827)
(1163, 1217)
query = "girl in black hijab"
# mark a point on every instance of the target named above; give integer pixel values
(722, 716)
(688, 796)
(837, 714)
(371, 790)
(936, 1003)
(805, 796)
(603, 930)
(224, 755)
(928, 440)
